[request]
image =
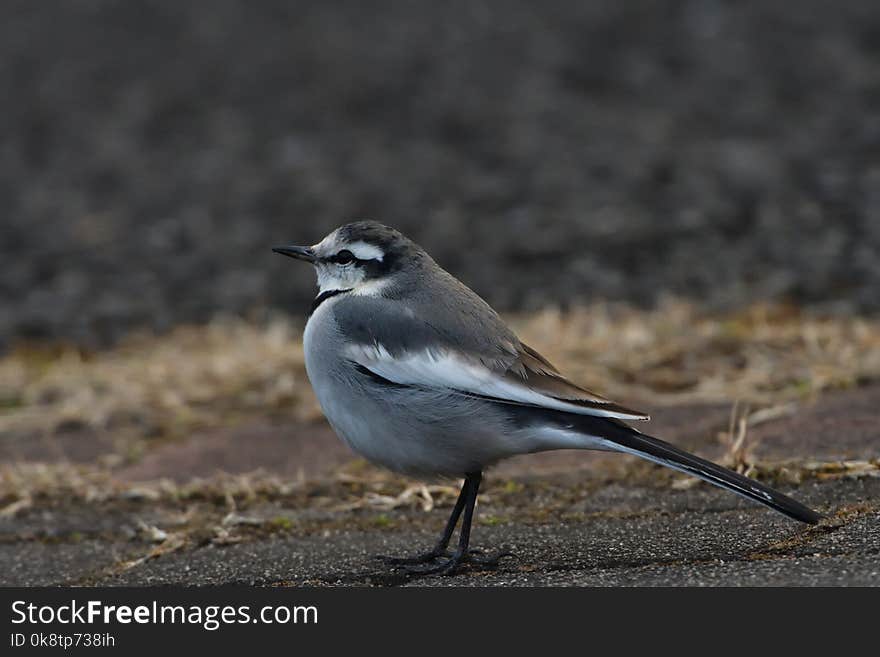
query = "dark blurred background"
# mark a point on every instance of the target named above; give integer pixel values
(552, 152)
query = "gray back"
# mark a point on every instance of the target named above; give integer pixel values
(426, 306)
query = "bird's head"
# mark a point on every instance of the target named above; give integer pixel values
(363, 257)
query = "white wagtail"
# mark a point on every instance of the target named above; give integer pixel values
(418, 374)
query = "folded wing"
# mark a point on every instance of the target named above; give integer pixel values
(526, 378)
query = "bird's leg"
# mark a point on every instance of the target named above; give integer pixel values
(439, 550)
(470, 490)
(464, 537)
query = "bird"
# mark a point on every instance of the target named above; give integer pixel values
(418, 374)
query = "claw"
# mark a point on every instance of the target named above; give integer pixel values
(426, 557)
(451, 565)
(490, 561)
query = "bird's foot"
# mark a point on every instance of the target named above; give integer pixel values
(425, 557)
(452, 563)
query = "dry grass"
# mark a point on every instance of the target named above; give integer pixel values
(738, 455)
(356, 489)
(195, 377)
(764, 355)
(192, 377)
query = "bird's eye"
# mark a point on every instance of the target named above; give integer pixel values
(344, 257)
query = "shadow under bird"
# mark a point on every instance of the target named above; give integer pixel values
(418, 374)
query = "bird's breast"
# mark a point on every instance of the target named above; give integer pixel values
(322, 343)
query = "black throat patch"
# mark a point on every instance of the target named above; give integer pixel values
(321, 298)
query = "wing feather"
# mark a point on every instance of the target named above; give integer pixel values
(446, 336)
(528, 380)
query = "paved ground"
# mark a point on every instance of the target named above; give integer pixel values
(627, 539)
(570, 518)
(622, 535)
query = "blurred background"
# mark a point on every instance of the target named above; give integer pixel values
(680, 200)
(553, 153)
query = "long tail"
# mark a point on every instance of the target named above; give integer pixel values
(621, 437)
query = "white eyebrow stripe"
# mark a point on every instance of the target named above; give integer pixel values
(365, 251)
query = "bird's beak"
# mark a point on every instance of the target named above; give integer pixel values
(298, 252)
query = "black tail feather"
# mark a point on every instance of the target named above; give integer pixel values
(631, 441)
